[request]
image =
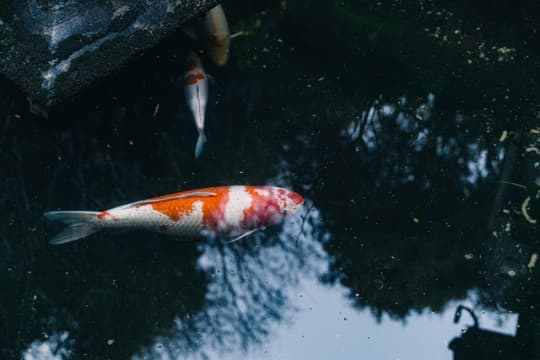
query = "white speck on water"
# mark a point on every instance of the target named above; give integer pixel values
(532, 261)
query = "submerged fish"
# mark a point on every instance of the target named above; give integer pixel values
(196, 91)
(216, 29)
(232, 211)
(212, 32)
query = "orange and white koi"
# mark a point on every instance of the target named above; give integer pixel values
(196, 91)
(231, 211)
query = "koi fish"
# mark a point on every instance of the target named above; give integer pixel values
(231, 211)
(213, 33)
(196, 91)
(216, 29)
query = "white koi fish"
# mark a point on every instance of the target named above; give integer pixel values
(212, 32)
(216, 29)
(196, 91)
(232, 211)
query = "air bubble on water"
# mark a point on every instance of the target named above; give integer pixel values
(159, 347)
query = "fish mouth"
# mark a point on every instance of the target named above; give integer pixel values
(295, 202)
(296, 198)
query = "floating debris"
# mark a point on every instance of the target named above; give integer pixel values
(524, 211)
(504, 135)
(521, 186)
(240, 33)
(532, 262)
(156, 109)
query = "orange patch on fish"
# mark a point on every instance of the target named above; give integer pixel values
(191, 79)
(214, 210)
(174, 209)
(212, 206)
(104, 214)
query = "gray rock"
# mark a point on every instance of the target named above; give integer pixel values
(52, 49)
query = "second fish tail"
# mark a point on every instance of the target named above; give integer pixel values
(200, 143)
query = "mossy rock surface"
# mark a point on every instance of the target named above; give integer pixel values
(54, 49)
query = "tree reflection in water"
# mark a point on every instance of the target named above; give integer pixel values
(249, 289)
(418, 175)
(57, 346)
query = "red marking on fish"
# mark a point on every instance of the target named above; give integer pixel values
(263, 207)
(297, 198)
(105, 214)
(191, 79)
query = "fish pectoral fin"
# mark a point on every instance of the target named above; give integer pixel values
(168, 197)
(243, 235)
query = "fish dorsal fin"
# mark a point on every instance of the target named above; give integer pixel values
(177, 196)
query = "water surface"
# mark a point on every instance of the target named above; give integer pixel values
(413, 133)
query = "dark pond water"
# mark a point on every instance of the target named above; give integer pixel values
(411, 130)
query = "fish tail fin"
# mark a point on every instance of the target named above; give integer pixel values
(80, 224)
(200, 144)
